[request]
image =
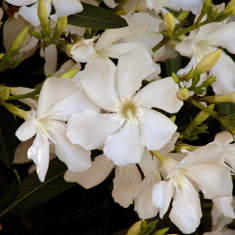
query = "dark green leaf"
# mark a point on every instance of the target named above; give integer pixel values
(33, 192)
(97, 18)
(11, 192)
(7, 136)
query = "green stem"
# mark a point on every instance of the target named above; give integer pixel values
(28, 95)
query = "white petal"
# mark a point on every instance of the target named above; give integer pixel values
(224, 70)
(73, 103)
(143, 203)
(110, 3)
(214, 180)
(148, 164)
(186, 211)
(98, 81)
(224, 37)
(191, 5)
(83, 50)
(21, 2)
(68, 7)
(75, 157)
(225, 206)
(162, 194)
(90, 129)
(27, 130)
(224, 137)
(156, 129)
(50, 59)
(54, 90)
(110, 36)
(126, 184)
(160, 94)
(132, 68)
(39, 153)
(96, 174)
(124, 147)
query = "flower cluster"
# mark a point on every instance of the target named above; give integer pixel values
(116, 93)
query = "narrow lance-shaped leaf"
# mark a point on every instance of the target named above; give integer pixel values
(34, 193)
(7, 136)
(97, 18)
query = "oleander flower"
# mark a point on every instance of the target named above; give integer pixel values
(203, 170)
(205, 40)
(58, 99)
(127, 123)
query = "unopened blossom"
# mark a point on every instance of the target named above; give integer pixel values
(203, 170)
(205, 40)
(128, 123)
(58, 99)
(62, 8)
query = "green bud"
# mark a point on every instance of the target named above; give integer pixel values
(4, 94)
(69, 74)
(135, 229)
(169, 22)
(183, 94)
(43, 14)
(175, 78)
(15, 110)
(60, 26)
(208, 61)
(221, 98)
(19, 40)
(36, 34)
(202, 116)
(161, 231)
(230, 8)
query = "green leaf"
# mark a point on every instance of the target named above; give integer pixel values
(97, 18)
(161, 231)
(148, 227)
(7, 136)
(33, 192)
(11, 192)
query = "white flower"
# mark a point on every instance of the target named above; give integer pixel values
(58, 99)
(209, 38)
(127, 122)
(177, 5)
(62, 7)
(201, 170)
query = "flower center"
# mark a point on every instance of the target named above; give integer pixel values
(128, 111)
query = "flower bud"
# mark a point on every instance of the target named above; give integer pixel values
(135, 229)
(43, 14)
(208, 61)
(69, 74)
(4, 94)
(183, 94)
(221, 98)
(169, 22)
(60, 26)
(15, 110)
(19, 40)
(230, 8)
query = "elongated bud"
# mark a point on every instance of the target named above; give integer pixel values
(175, 78)
(135, 229)
(169, 22)
(19, 40)
(208, 61)
(221, 98)
(60, 26)
(230, 8)
(183, 94)
(69, 74)
(15, 110)
(207, 3)
(43, 14)
(202, 116)
(4, 94)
